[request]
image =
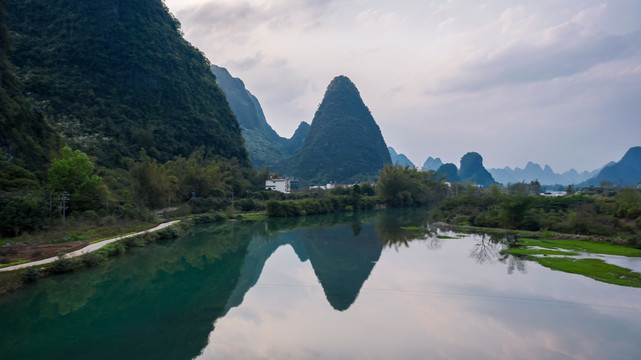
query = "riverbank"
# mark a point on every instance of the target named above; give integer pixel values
(85, 250)
(17, 276)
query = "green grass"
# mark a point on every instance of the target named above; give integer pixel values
(446, 237)
(544, 252)
(15, 263)
(255, 217)
(414, 228)
(582, 246)
(593, 268)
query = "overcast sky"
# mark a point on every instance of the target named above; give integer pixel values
(554, 82)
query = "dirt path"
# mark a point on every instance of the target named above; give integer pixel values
(86, 249)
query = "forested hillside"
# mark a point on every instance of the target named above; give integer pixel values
(266, 148)
(25, 138)
(344, 143)
(114, 77)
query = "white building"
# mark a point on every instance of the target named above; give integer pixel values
(282, 185)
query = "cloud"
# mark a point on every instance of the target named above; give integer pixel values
(484, 74)
(529, 49)
(225, 18)
(564, 51)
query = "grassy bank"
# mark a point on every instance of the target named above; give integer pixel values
(596, 269)
(13, 280)
(557, 254)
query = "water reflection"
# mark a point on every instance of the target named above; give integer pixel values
(164, 302)
(391, 228)
(158, 305)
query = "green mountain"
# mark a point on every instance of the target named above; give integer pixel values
(244, 105)
(344, 143)
(266, 147)
(626, 172)
(400, 159)
(449, 172)
(472, 169)
(115, 77)
(25, 138)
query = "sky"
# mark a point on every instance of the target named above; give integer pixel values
(548, 81)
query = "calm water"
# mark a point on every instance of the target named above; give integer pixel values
(332, 287)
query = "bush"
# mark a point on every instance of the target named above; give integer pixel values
(92, 259)
(204, 205)
(246, 204)
(31, 275)
(113, 249)
(64, 265)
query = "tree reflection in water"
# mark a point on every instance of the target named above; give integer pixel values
(391, 228)
(488, 249)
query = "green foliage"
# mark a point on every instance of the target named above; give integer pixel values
(31, 275)
(72, 174)
(20, 212)
(64, 265)
(92, 259)
(344, 143)
(402, 186)
(581, 246)
(322, 205)
(122, 79)
(596, 269)
(25, 137)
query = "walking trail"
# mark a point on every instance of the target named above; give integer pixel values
(86, 249)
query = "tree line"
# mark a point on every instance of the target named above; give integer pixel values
(73, 188)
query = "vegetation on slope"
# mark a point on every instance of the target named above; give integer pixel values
(344, 143)
(26, 141)
(113, 77)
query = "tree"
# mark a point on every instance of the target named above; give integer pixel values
(400, 186)
(152, 183)
(570, 190)
(72, 174)
(19, 212)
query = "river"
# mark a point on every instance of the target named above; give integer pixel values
(322, 287)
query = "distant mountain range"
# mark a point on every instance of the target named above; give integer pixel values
(545, 175)
(432, 164)
(471, 169)
(400, 159)
(626, 172)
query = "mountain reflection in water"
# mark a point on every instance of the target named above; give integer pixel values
(202, 295)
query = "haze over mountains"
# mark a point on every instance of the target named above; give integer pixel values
(545, 176)
(400, 159)
(625, 172)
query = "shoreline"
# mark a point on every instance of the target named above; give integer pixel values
(85, 250)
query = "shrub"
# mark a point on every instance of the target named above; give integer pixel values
(64, 265)
(113, 249)
(31, 275)
(92, 259)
